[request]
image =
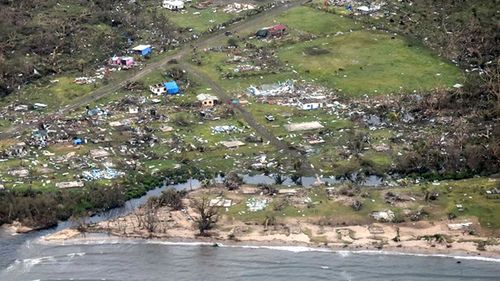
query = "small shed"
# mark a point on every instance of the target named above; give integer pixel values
(207, 100)
(158, 89)
(310, 104)
(171, 87)
(143, 50)
(232, 144)
(277, 30)
(121, 61)
(173, 5)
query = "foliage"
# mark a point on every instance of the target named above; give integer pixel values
(207, 215)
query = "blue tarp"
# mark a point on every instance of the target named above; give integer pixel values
(77, 141)
(171, 87)
(146, 52)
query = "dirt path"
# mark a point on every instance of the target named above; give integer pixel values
(114, 87)
(201, 43)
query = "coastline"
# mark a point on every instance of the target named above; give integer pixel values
(279, 245)
(165, 225)
(464, 250)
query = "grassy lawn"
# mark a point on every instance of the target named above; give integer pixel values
(365, 62)
(198, 20)
(309, 20)
(471, 194)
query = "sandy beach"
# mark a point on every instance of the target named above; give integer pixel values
(426, 237)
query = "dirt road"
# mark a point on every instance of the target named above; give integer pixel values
(180, 55)
(294, 155)
(115, 86)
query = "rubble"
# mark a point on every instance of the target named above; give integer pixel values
(21, 173)
(70, 184)
(97, 174)
(99, 153)
(226, 129)
(232, 144)
(304, 126)
(278, 89)
(238, 8)
(254, 205)
(383, 216)
(459, 226)
(220, 202)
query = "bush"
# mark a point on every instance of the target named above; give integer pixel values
(232, 181)
(172, 198)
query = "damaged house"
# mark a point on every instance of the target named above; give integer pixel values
(170, 88)
(142, 50)
(311, 103)
(125, 62)
(272, 31)
(206, 100)
(173, 5)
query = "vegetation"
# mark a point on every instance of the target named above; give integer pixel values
(207, 215)
(76, 35)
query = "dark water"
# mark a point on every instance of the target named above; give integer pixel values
(150, 260)
(25, 257)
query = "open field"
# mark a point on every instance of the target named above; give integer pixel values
(366, 62)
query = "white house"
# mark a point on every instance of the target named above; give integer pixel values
(207, 100)
(158, 89)
(173, 5)
(310, 104)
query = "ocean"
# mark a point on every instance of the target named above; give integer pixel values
(27, 257)
(129, 259)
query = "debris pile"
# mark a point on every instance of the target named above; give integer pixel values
(254, 205)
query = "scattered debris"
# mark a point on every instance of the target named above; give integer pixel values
(220, 202)
(69, 184)
(254, 205)
(97, 174)
(232, 144)
(459, 226)
(304, 126)
(383, 216)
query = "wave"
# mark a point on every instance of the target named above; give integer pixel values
(395, 253)
(72, 255)
(27, 264)
(294, 249)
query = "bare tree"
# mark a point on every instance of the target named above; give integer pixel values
(207, 215)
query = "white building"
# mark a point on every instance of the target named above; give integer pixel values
(311, 103)
(173, 5)
(207, 100)
(158, 89)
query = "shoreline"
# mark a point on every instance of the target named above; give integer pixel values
(294, 246)
(448, 237)
(75, 237)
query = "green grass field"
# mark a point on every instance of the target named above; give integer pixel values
(354, 62)
(198, 20)
(309, 20)
(365, 62)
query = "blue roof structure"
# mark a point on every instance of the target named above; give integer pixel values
(172, 87)
(143, 50)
